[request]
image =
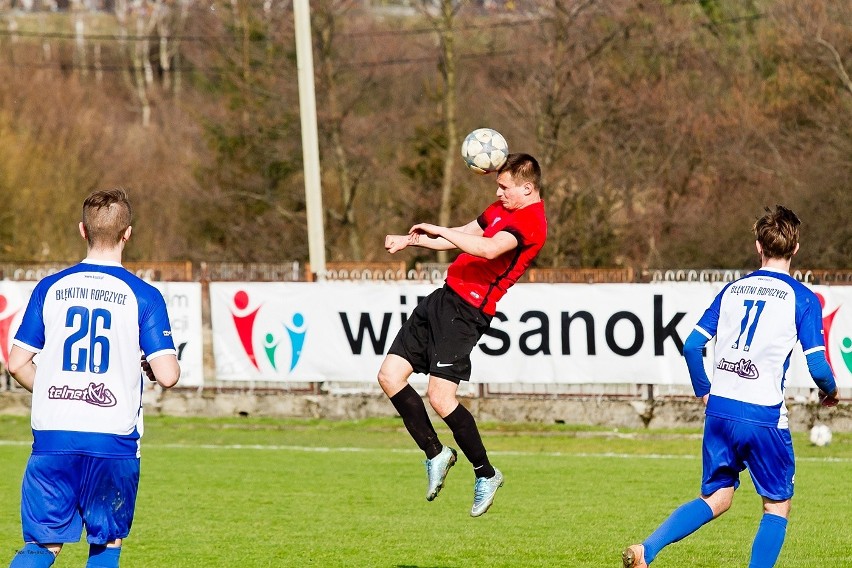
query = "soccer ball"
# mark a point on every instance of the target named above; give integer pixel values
(820, 435)
(484, 150)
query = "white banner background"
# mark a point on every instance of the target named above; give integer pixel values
(340, 331)
(184, 304)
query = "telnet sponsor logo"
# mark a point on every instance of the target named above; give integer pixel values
(97, 395)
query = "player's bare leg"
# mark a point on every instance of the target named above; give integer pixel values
(720, 501)
(393, 374)
(684, 521)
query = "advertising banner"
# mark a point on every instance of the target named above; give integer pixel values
(542, 333)
(184, 304)
(183, 300)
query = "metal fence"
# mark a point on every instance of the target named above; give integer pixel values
(172, 271)
(294, 271)
(809, 276)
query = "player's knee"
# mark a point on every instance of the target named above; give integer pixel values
(391, 383)
(393, 374)
(720, 501)
(55, 549)
(385, 379)
(441, 402)
(779, 508)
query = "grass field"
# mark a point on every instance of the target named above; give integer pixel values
(275, 493)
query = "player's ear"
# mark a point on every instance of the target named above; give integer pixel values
(127, 232)
(795, 250)
(82, 229)
(758, 247)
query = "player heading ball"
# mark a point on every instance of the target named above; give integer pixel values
(496, 249)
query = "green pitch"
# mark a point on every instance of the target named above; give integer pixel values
(281, 493)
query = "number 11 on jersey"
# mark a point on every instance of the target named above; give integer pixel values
(744, 324)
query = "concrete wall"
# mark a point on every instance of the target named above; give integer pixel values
(589, 410)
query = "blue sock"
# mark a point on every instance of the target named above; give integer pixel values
(32, 555)
(102, 557)
(768, 541)
(685, 520)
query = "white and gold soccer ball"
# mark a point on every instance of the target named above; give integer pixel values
(484, 150)
(820, 435)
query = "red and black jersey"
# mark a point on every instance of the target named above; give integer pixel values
(482, 282)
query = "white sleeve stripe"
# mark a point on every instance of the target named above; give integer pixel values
(702, 332)
(26, 347)
(814, 349)
(160, 353)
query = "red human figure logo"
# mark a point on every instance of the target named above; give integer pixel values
(826, 326)
(5, 327)
(244, 322)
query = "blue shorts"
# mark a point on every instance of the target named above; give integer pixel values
(730, 447)
(62, 492)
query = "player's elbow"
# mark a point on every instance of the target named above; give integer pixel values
(170, 379)
(166, 370)
(168, 382)
(15, 368)
(693, 347)
(18, 361)
(490, 253)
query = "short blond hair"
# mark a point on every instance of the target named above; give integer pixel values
(106, 216)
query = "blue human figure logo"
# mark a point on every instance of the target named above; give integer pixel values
(297, 333)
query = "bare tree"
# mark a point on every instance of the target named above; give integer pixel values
(339, 96)
(171, 22)
(144, 15)
(548, 92)
(827, 24)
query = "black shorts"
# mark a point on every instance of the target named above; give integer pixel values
(439, 335)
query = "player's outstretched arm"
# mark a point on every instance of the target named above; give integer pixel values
(427, 235)
(163, 369)
(467, 238)
(21, 367)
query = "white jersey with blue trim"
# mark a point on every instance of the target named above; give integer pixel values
(88, 325)
(757, 321)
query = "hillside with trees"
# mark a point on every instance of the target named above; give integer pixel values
(663, 128)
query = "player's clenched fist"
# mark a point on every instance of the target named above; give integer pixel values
(394, 243)
(828, 400)
(146, 368)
